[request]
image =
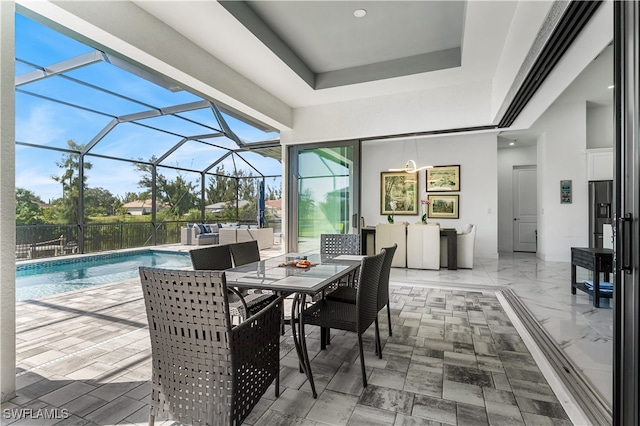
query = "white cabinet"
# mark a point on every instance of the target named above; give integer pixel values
(389, 234)
(423, 246)
(600, 164)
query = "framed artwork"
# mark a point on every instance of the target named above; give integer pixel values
(398, 193)
(444, 206)
(565, 192)
(443, 178)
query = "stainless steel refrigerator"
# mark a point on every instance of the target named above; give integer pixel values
(600, 200)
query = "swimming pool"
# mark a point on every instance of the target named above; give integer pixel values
(40, 279)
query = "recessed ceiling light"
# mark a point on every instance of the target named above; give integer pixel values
(611, 87)
(359, 13)
(511, 143)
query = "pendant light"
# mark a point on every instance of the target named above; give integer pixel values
(410, 166)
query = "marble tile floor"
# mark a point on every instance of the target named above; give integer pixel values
(584, 333)
(87, 352)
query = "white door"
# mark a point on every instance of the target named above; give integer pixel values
(525, 219)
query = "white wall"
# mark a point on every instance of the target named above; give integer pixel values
(403, 113)
(507, 159)
(600, 126)
(477, 157)
(561, 156)
(7, 203)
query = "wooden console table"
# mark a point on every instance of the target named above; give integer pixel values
(452, 247)
(596, 260)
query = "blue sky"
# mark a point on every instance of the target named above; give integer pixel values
(43, 122)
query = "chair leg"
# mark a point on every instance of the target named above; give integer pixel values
(151, 419)
(364, 372)
(378, 344)
(389, 318)
(278, 383)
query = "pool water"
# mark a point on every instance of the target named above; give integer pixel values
(60, 278)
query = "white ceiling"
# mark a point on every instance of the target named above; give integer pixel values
(259, 68)
(326, 35)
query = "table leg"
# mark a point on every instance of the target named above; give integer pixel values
(596, 285)
(573, 278)
(300, 341)
(452, 251)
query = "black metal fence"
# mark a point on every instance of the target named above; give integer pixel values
(38, 241)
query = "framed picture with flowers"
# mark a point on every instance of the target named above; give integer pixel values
(444, 206)
(398, 193)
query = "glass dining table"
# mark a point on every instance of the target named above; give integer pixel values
(278, 275)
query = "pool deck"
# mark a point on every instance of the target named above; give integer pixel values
(454, 358)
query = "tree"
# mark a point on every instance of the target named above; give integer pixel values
(27, 211)
(99, 202)
(273, 192)
(220, 187)
(66, 208)
(179, 194)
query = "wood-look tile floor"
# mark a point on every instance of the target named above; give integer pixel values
(454, 358)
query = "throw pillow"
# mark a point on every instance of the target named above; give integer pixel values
(201, 229)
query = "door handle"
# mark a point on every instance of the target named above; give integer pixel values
(626, 243)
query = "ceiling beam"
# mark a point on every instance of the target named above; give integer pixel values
(60, 67)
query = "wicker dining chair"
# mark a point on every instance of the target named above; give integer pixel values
(338, 244)
(245, 252)
(204, 370)
(348, 294)
(218, 258)
(356, 317)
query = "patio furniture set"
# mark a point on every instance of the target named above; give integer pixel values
(206, 370)
(205, 234)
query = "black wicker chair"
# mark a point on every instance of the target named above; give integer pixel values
(218, 258)
(340, 244)
(245, 252)
(347, 316)
(337, 244)
(204, 370)
(348, 294)
(213, 258)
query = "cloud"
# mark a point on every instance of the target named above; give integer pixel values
(40, 124)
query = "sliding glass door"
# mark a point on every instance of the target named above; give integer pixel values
(626, 382)
(324, 192)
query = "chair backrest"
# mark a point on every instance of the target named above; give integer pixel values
(190, 331)
(383, 287)
(216, 258)
(246, 252)
(367, 296)
(339, 244)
